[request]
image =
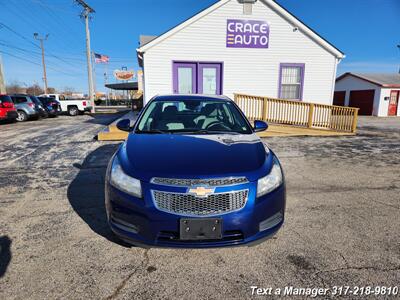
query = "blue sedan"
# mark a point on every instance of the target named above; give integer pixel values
(193, 173)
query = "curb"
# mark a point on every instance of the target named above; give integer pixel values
(112, 133)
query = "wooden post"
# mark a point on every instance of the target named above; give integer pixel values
(355, 117)
(310, 115)
(265, 107)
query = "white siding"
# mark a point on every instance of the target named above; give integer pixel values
(250, 71)
(351, 83)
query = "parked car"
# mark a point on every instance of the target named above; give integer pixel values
(28, 107)
(52, 106)
(71, 106)
(193, 173)
(40, 107)
(7, 109)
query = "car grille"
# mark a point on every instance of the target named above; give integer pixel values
(190, 205)
(193, 182)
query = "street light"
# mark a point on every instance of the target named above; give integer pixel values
(41, 39)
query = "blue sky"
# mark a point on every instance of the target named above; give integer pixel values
(366, 30)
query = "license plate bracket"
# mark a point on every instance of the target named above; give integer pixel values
(200, 229)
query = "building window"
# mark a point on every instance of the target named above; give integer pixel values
(291, 81)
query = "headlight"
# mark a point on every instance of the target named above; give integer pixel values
(270, 182)
(124, 182)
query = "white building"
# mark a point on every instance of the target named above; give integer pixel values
(374, 94)
(255, 48)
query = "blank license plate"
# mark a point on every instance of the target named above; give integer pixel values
(201, 229)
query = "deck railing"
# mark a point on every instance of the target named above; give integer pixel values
(289, 112)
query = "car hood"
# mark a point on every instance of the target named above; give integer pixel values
(144, 156)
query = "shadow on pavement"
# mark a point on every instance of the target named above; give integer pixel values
(86, 191)
(5, 254)
(105, 119)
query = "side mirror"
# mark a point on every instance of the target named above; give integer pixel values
(124, 125)
(260, 126)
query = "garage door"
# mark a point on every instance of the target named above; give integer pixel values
(364, 100)
(338, 98)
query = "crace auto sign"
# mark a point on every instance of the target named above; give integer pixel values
(247, 34)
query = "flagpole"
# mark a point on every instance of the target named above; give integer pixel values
(105, 82)
(94, 74)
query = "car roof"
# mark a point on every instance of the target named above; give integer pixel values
(177, 97)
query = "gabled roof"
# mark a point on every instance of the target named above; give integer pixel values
(387, 80)
(271, 4)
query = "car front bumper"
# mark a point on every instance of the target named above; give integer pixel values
(139, 222)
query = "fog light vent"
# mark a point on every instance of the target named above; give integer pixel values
(124, 225)
(271, 222)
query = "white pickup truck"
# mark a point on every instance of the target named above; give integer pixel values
(72, 106)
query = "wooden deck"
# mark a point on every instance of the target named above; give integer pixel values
(285, 130)
(112, 133)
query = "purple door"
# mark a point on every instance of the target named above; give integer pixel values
(185, 78)
(197, 78)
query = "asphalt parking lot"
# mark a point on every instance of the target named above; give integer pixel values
(342, 220)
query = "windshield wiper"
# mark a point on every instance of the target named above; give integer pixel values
(204, 131)
(154, 131)
(187, 131)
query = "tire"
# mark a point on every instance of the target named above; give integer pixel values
(73, 111)
(22, 116)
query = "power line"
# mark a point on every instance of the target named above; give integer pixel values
(27, 51)
(28, 16)
(56, 18)
(20, 49)
(26, 39)
(18, 34)
(20, 58)
(35, 12)
(31, 51)
(34, 63)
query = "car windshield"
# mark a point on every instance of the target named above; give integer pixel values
(192, 117)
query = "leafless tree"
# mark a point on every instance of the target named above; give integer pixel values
(34, 89)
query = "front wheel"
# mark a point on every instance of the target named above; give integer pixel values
(22, 116)
(73, 111)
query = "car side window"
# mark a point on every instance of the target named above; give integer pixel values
(19, 99)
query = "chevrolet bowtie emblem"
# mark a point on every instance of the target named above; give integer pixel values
(201, 191)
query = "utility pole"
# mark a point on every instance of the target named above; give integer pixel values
(2, 84)
(41, 39)
(2, 81)
(87, 10)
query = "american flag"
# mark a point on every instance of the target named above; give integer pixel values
(101, 59)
